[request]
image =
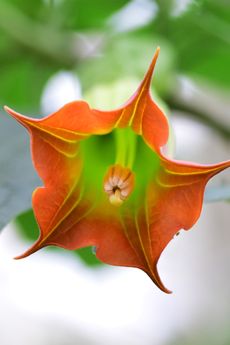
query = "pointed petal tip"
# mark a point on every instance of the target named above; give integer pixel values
(162, 287)
(18, 257)
(154, 276)
(154, 60)
(24, 120)
(12, 112)
(157, 52)
(169, 292)
(30, 251)
(148, 77)
(157, 281)
(24, 255)
(7, 109)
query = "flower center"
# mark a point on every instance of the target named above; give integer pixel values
(119, 179)
(118, 184)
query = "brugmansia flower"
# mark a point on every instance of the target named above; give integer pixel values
(108, 184)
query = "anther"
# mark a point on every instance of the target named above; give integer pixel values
(118, 184)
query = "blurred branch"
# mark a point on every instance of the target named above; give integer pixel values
(162, 19)
(62, 47)
(206, 104)
(201, 115)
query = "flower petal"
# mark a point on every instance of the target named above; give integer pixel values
(175, 200)
(57, 159)
(144, 115)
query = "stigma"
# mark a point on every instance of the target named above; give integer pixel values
(118, 184)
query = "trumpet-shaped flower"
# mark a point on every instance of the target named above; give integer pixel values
(108, 184)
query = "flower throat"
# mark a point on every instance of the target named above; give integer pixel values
(119, 180)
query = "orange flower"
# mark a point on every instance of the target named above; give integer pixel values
(107, 183)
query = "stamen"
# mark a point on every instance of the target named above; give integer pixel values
(118, 184)
(115, 198)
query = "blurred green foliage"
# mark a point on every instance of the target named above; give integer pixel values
(87, 14)
(195, 42)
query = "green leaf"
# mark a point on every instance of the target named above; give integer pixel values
(88, 257)
(30, 8)
(22, 82)
(27, 225)
(88, 14)
(201, 39)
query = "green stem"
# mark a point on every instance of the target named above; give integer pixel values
(132, 141)
(120, 147)
(125, 147)
(201, 114)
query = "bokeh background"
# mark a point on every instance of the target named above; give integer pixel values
(55, 51)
